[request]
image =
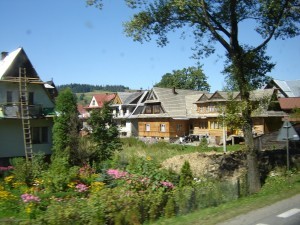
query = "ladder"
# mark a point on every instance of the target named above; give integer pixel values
(24, 110)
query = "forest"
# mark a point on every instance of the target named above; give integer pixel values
(83, 88)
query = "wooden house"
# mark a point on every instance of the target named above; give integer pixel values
(208, 121)
(26, 107)
(164, 114)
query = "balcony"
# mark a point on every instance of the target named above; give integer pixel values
(14, 111)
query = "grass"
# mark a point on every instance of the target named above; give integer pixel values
(162, 150)
(272, 192)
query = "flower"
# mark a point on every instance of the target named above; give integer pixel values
(8, 179)
(3, 168)
(30, 198)
(116, 174)
(167, 184)
(97, 186)
(81, 187)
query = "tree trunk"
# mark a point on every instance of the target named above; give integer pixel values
(253, 175)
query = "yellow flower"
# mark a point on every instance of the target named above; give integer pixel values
(97, 186)
(18, 184)
(149, 158)
(72, 185)
(8, 179)
(5, 195)
(28, 208)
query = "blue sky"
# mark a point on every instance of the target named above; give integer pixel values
(71, 43)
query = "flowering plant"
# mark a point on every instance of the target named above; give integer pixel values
(30, 198)
(81, 187)
(116, 174)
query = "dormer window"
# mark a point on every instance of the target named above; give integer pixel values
(93, 103)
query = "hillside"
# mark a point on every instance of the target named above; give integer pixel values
(85, 88)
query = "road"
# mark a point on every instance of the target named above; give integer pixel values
(285, 212)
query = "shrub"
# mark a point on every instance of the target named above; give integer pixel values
(186, 176)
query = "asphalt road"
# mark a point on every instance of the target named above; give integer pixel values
(285, 212)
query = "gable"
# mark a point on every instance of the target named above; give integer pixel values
(117, 100)
(10, 65)
(217, 96)
(152, 96)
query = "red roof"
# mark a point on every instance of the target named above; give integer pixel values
(102, 98)
(289, 103)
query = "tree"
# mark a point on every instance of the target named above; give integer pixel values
(66, 123)
(216, 21)
(191, 78)
(104, 134)
(186, 175)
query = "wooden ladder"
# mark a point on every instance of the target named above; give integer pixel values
(24, 109)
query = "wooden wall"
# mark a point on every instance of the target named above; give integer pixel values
(173, 128)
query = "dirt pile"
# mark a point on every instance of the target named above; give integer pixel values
(212, 164)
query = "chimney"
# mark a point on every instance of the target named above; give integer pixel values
(3, 55)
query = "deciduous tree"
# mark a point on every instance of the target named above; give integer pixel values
(191, 78)
(215, 21)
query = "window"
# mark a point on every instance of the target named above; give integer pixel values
(9, 97)
(203, 125)
(179, 127)
(147, 127)
(156, 109)
(214, 125)
(30, 98)
(148, 110)
(93, 102)
(163, 128)
(123, 123)
(39, 135)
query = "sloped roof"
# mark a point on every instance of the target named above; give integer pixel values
(174, 101)
(101, 99)
(289, 88)
(9, 66)
(133, 98)
(289, 103)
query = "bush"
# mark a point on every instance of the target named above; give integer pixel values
(186, 176)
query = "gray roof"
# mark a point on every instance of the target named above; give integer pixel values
(177, 103)
(291, 88)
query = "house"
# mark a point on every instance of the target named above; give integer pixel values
(123, 106)
(286, 88)
(172, 113)
(26, 107)
(288, 105)
(266, 118)
(98, 100)
(164, 113)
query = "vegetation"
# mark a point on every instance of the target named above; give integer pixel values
(83, 88)
(214, 22)
(66, 123)
(105, 134)
(127, 189)
(190, 78)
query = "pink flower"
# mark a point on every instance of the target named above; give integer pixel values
(81, 188)
(30, 198)
(116, 174)
(3, 168)
(167, 184)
